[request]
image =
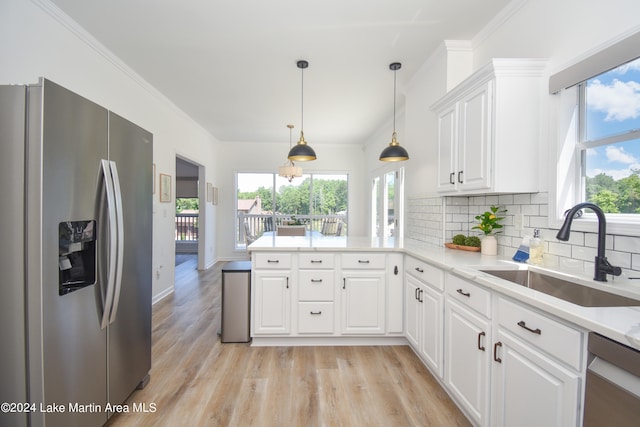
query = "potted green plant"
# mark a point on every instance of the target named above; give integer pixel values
(489, 224)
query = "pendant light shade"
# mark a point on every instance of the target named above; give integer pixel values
(394, 152)
(289, 170)
(302, 152)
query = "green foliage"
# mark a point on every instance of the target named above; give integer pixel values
(186, 204)
(472, 241)
(459, 239)
(489, 221)
(621, 196)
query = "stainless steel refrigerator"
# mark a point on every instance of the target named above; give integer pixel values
(75, 297)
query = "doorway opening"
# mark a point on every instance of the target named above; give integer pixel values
(189, 216)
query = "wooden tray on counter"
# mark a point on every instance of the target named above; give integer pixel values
(462, 248)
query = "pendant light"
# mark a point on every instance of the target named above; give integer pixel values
(302, 152)
(394, 152)
(289, 170)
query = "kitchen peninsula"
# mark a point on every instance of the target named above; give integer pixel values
(470, 328)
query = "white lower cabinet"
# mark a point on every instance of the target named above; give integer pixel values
(272, 303)
(424, 305)
(537, 368)
(467, 359)
(363, 302)
(508, 364)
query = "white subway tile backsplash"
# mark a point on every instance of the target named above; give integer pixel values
(427, 216)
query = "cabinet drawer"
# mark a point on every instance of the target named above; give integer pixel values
(470, 294)
(557, 339)
(367, 261)
(425, 272)
(316, 285)
(315, 317)
(316, 261)
(273, 260)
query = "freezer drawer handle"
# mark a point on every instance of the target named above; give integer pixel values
(522, 324)
(315, 313)
(461, 292)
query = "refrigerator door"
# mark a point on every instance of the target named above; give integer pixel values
(129, 355)
(13, 379)
(66, 339)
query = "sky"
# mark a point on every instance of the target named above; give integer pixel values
(613, 107)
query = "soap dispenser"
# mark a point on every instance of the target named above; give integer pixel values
(535, 248)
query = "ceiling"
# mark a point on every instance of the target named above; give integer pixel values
(231, 64)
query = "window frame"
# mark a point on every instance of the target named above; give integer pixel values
(568, 185)
(274, 181)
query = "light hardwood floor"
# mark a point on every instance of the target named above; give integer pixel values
(197, 381)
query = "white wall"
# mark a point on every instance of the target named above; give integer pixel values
(38, 40)
(266, 157)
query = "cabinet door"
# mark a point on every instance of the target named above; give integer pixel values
(431, 303)
(467, 359)
(474, 140)
(363, 307)
(413, 312)
(447, 138)
(272, 303)
(530, 389)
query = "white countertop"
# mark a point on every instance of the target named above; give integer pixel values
(618, 323)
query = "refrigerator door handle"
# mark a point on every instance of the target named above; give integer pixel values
(120, 242)
(112, 248)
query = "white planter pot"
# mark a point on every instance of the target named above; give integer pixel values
(489, 245)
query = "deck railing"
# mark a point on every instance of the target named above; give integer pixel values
(187, 227)
(258, 224)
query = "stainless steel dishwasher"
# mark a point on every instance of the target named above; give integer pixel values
(612, 395)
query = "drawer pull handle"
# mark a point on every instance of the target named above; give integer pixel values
(533, 331)
(415, 294)
(363, 261)
(451, 175)
(495, 352)
(316, 280)
(287, 283)
(315, 313)
(419, 270)
(316, 261)
(461, 292)
(480, 346)
(460, 177)
(273, 261)
(344, 283)
(420, 295)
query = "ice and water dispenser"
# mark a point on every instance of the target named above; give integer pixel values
(76, 255)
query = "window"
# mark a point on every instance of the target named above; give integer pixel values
(265, 200)
(609, 139)
(386, 205)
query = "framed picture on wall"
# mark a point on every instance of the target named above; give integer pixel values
(165, 188)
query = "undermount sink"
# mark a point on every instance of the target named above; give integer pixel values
(563, 289)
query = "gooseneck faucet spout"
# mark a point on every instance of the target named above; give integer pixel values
(602, 266)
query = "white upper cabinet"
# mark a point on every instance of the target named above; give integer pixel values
(489, 130)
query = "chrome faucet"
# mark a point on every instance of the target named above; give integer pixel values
(602, 266)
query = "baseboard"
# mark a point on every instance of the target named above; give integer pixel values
(162, 295)
(299, 341)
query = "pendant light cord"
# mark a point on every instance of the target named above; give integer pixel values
(302, 100)
(394, 100)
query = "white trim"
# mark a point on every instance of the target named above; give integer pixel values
(302, 341)
(497, 22)
(73, 27)
(161, 295)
